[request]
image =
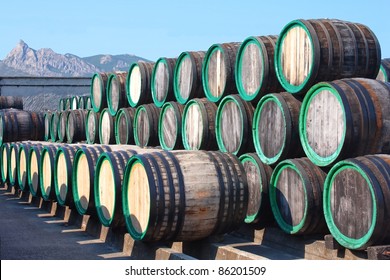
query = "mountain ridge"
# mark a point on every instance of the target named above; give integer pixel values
(25, 61)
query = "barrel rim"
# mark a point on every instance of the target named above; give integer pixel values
(256, 120)
(112, 78)
(205, 68)
(135, 126)
(106, 222)
(125, 203)
(3, 169)
(47, 116)
(34, 150)
(95, 116)
(176, 89)
(75, 193)
(218, 117)
(95, 107)
(128, 94)
(238, 68)
(121, 112)
(164, 108)
(13, 147)
(64, 151)
(45, 150)
(345, 241)
(100, 127)
(310, 153)
(24, 147)
(252, 158)
(54, 132)
(153, 79)
(195, 101)
(272, 194)
(278, 56)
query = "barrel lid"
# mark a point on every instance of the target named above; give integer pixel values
(161, 65)
(348, 242)
(169, 106)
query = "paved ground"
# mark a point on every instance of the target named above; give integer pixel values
(30, 233)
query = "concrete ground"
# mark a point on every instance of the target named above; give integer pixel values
(29, 233)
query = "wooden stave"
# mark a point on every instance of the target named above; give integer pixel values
(146, 69)
(128, 114)
(208, 111)
(328, 63)
(230, 54)
(375, 169)
(103, 78)
(120, 79)
(178, 109)
(75, 126)
(365, 108)
(170, 63)
(152, 113)
(247, 111)
(290, 106)
(197, 90)
(175, 230)
(313, 220)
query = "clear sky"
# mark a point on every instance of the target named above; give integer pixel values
(153, 29)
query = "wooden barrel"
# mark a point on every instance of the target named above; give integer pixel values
(68, 103)
(88, 103)
(54, 121)
(22, 169)
(74, 102)
(4, 153)
(218, 71)
(345, 118)
(187, 77)
(47, 123)
(106, 128)
(138, 83)
(183, 195)
(75, 126)
(116, 92)
(169, 126)
(258, 176)
(357, 201)
(63, 164)
(13, 164)
(34, 169)
(82, 102)
(295, 191)
(61, 104)
(62, 124)
(17, 125)
(233, 125)
(312, 51)
(83, 174)
(46, 175)
(162, 81)
(124, 132)
(255, 68)
(108, 186)
(146, 125)
(92, 127)
(98, 91)
(276, 128)
(384, 71)
(14, 102)
(198, 126)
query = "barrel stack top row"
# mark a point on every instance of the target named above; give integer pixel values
(305, 52)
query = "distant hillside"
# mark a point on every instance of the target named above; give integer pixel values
(25, 61)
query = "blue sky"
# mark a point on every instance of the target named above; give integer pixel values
(153, 29)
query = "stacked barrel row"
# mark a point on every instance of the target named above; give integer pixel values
(294, 108)
(193, 194)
